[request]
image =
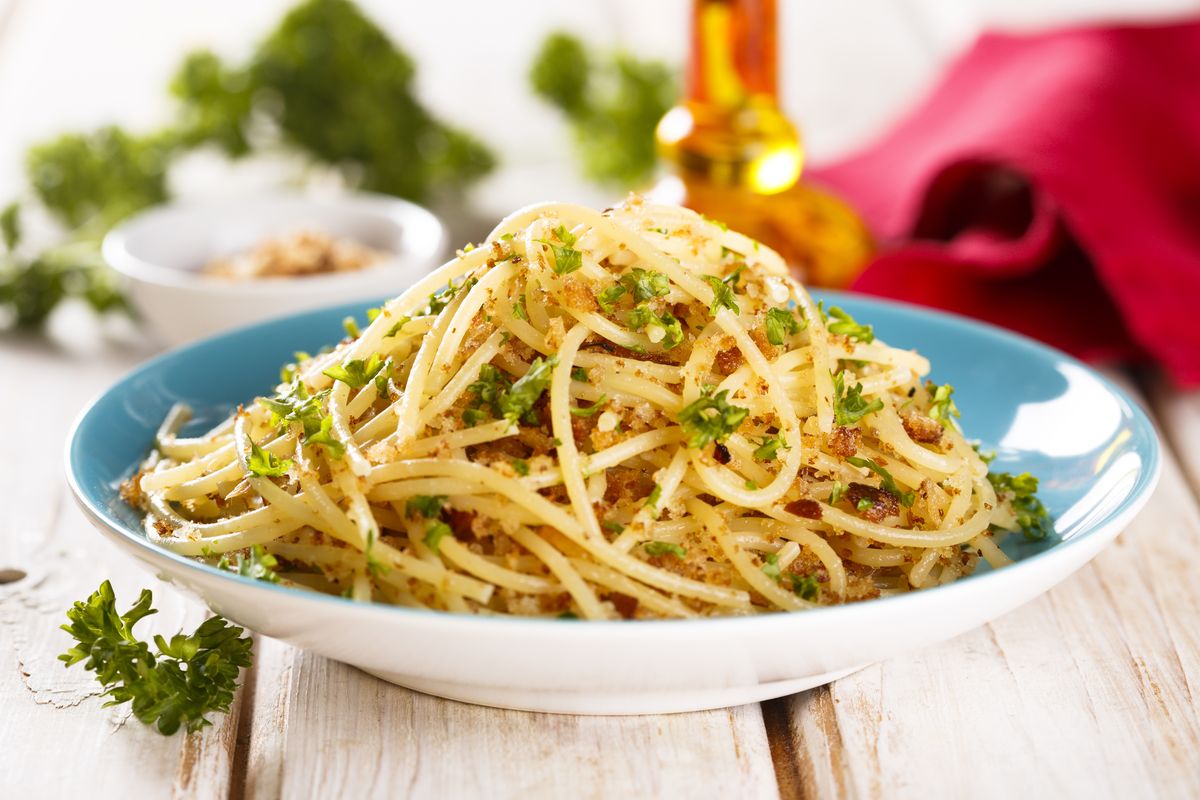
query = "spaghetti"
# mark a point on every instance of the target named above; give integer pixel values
(634, 413)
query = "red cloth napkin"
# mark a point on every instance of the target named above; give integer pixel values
(1050, 184)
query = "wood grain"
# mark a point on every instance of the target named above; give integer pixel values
(323, 729)
(55, 737)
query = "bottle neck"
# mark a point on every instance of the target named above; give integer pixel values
(729, 131)
(733, 53)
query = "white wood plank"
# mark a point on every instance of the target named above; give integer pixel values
(55, 737)
(322, 729)
(1088, 691)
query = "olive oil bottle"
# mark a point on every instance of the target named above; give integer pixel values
(734, 156)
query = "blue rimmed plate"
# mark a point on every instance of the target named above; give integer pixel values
(1095, 451)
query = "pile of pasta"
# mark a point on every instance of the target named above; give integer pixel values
(634, 413)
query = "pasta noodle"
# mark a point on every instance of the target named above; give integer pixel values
(636, 413)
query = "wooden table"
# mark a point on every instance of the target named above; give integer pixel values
(1092, 690)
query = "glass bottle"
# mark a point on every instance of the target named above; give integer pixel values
(737, 158)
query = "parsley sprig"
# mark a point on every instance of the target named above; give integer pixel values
(296, 405)
(711, 418)
(266, 464)
(258, 564)
(849, 406)
(722, 294)
(187, 678)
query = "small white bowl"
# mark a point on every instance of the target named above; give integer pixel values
(160, 253)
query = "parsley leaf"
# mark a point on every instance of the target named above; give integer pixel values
(517, 402)
(646, 285)
(1021, 491)
(770, 566)
(435, 533)
(781, 323)
(848, 404)
(374, 566)
(836, 493)
(655, 496)
(259, 565)
(592, 410)
(521, 466)
(845, 325)
(722, 296)
(187, 678)
(444, 296)
(768, 448)
(324, 437)
(710, 418)
(656, 549)
(889, 483)
(579, 374)
(400, 323)
(425, 505)
(351, 326)
(643, 316)
(806, 587)
(358, 372)
(608, 298)
(942, 407)
(566, 259)
(519, 308)
(266, 464)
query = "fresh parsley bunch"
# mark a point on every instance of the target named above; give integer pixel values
(188, 676)
(613, 104)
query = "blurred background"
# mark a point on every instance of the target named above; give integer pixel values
(222, 99)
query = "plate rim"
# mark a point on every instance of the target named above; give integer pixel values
(1146, 480)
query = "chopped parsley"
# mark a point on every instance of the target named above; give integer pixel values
(566, 258)
(521, 466)
(592, 410)
(889, 483)
(770, 566)
(189, 676)
(358, 372)
(781, 323)
(722, 295)
(655, 496)
(646, 285)
(382, 377)
(768, 448)
(435, 533)
(848, 404)
(656, 549)
(608, 298)
(579, 374)
(1021, 490)
(428, 506)
(509, 400)
(295, 404)
(942, 407)
(710, 418)
(289, 371)
(266, 464)
(444, 296)
(643, 316)
(400, 323)
(375, 567)
(864, 504)
(519, 308)
(836, 493)
(718, 223)
(845, 325)
(258, 565)
(806, 587)
(612, 526)
(351, 326)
